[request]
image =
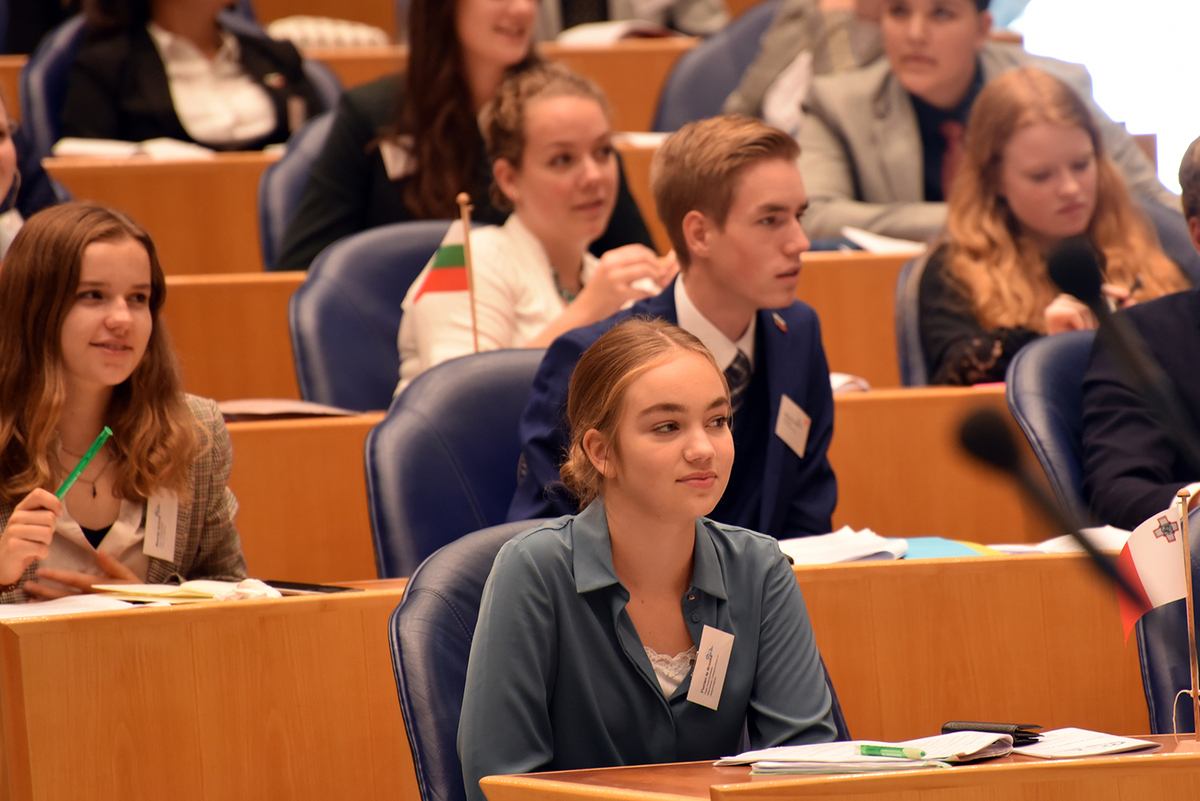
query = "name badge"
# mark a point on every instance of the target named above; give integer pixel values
(162, 514)
(792, 425)
(712, 660)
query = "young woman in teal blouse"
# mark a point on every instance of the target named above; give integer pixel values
(593, 626)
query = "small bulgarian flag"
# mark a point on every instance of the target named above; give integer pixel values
(447, 271)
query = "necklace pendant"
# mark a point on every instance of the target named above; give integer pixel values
(93, 490)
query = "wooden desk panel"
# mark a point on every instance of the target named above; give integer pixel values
(1172, 773)
(290, 698)
(902, 473)
(202, 213)
(355, 66)
(302, 497)
(854, 294)
(231, 333)
(10, 71)
(1030, 639)
(631, 72)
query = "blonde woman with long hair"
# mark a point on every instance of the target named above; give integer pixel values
(1033, 173)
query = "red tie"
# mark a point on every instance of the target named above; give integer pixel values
(952, 132)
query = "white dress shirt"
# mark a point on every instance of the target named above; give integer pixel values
(216, 101)
(515, 299)
(723, 349)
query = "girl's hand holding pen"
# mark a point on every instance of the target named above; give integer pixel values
(27, 536)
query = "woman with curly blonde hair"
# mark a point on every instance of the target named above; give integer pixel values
(1033, 173)
(80, 294)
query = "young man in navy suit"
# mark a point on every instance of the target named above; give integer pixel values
(730, 195)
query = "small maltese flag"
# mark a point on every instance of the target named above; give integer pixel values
(1152, 560)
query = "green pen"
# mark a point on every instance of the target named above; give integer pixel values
(891, 751)
(101, 438)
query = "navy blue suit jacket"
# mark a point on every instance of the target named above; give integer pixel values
(798, 495)
(1132, 467)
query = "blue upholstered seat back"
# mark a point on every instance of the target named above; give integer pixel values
(443, 462)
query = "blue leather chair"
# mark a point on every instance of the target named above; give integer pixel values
(703, 77)
(1045, 395)
(909, 351)
(430, 633)
(283, 183)
(443, 462)
(345, 317)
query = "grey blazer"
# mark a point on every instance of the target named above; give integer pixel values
(861, 148)
(206, 543)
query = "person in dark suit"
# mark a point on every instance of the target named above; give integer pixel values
(1132, 467)
(167, 68)
(730, 196)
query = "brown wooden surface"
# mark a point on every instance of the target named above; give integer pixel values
(636, 160)
(202, 213)
(380, 13)
(231, 333)
(1172, 773)
(1031, 639)
(355, 66)
(631, 72)
(10, 70)
(302, 498)
(854, 295)
(304, 511)
(290, 698)
(902, 473)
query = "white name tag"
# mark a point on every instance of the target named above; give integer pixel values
(712, 659)
(162, 514)
(792, 425)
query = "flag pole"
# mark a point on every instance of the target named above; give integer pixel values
(1183, 498)
(464, 207)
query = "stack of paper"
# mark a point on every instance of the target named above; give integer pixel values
(186, 593)
(843, 545)
(846, 757)
(1072, 743)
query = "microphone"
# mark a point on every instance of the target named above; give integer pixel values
(986, 436)
(1075, 268)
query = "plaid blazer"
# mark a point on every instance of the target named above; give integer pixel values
(206, 540)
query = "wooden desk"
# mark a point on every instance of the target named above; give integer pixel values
(355, 66)
(289, 698)
(854, 294)
(302, 496)
(231, 333)
(10, 71)
(902, 473)
(631, 72)
(1167, 774)
(1032, 639)
(202, 213)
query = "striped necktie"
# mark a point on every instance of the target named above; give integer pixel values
(738, 376)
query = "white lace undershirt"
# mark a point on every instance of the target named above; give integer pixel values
(671, 670)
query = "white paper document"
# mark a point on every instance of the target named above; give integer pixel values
(882, 245)
(843, 545)
(1071, 743)
(845, 757)
(70, 605)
